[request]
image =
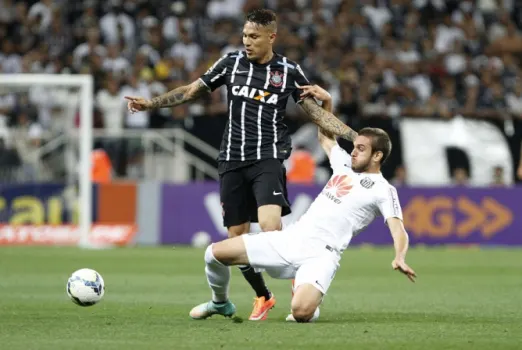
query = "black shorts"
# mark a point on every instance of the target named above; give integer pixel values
(247, 188)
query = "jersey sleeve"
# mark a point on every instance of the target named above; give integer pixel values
(299, 79)
(215, 76)
(389, 204)
(339, 158)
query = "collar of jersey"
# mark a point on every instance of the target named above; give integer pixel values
(272, 61)
(370, 174)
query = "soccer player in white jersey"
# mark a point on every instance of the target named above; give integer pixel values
(310, 250)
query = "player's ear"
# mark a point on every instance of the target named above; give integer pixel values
(272, 37)
(377, 156)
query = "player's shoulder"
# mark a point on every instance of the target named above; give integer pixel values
(227, 60)
(231, 56)
(286, 62)
(377, 183)
(385, 189)
(384, 184)
(234, 54)
(339, 150)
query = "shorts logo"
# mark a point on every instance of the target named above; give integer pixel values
(367, 183)
(276, 78)
(341, 184)
(223, 209)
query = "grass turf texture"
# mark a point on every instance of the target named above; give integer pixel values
(464, 299)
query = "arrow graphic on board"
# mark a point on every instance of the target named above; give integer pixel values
(502, 217)
(489, 217)
(475, 217)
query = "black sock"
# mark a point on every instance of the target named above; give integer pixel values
(256, 281)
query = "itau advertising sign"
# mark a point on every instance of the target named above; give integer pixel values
(493, 216)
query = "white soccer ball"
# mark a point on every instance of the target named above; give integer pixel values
(201, 239)
(85, 287)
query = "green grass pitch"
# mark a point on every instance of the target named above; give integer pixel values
(464, 299)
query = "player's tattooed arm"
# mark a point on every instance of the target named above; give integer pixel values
(327, 140)
(327, 121)
(180, 95)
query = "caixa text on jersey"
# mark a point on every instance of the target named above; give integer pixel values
(255, 94)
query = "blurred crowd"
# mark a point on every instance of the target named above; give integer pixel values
(386, 58)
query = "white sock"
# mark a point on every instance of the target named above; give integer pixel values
(218, 276)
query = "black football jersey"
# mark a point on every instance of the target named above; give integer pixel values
(257, 98)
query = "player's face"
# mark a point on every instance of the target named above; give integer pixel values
(257, 40)
(362, 155)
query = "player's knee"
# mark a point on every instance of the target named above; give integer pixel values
(304, 303)
(213, 255)
(303, 312)
(237, 230)
(209, 255)
(270, 224)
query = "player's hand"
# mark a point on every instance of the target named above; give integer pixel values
(137, 104)
(315, 91)
(519, 172)
(400, 265)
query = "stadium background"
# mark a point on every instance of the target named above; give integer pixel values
(442, 77)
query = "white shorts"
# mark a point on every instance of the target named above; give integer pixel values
(288, 254)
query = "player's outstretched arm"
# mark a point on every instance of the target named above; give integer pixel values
(401, 243)
(326, 139)
(326, 120)
(172, 98)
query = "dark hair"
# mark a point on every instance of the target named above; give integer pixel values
(380, 141)
(262, 17)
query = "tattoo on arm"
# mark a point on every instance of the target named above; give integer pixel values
(328, 105)
(327, 120)
(180, 95)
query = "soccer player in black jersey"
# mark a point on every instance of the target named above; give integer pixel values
(255, 143)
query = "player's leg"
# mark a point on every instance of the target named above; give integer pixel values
(234, 200)
(270, 220)
(238, 204)
(269, 217)
(305, 302)
(253, 277)
(218, 257)
(269, 186)
(237, 201)
(257, 249)
(291, 318)
(264, 300)
(238, 230)
(312, 281)
(268, 179)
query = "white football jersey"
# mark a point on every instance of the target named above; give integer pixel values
(348, 203)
